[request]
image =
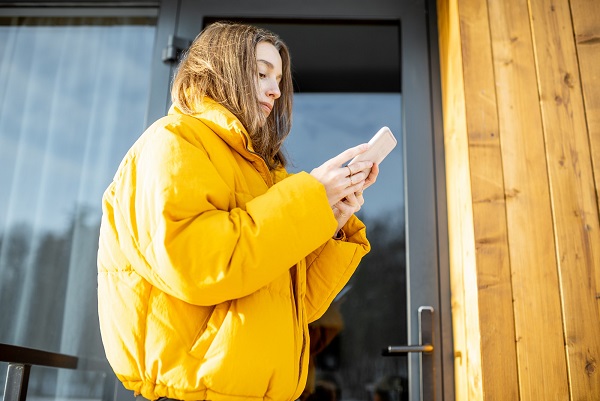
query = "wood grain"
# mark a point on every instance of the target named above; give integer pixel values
(499, 358)
(463, 277)
(538, 315)
(586, 23)
(573, 194)
(521, 103)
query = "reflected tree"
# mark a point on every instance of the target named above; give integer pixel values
(374, 313)
(48, 296)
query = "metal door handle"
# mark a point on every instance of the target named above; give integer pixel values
(404, 349)
(425, 336)
(425, 346)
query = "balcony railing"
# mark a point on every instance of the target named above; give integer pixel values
(20, 360)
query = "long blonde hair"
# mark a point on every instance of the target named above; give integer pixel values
(221, 64)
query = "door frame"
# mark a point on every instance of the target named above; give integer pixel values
(425, 186)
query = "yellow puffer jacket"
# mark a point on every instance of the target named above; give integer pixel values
(210, 267)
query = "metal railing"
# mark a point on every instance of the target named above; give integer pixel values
(20, 360)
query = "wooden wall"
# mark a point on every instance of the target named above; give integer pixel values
(521, 104)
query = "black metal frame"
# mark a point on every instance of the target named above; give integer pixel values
(21, 359)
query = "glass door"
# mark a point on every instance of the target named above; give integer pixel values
(359, 66)
(346, 343)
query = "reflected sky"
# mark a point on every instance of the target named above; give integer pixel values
(326, 124)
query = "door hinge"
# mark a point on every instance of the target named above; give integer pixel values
(175, 48)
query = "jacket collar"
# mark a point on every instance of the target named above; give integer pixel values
(227, 126)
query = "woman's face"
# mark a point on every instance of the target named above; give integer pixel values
(269, 75)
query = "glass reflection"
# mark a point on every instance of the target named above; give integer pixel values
(346, 343)
(73, 98)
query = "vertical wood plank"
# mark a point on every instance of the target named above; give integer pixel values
(465, 311)
(499, 359)
(574, 206)
(540, 345)
(586, 22)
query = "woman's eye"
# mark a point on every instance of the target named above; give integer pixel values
(261, 75)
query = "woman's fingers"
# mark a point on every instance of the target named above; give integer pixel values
(359, 197)
(352, 201)
(342, 213)
(357, 167)
(349, 185)
(341, 181)
(372, 177)
(353, 179)
(344, 210)
(348, 154)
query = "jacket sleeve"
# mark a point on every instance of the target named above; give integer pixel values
(193, 244)
(330, 267)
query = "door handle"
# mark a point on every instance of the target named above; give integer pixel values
(404, 349)
(424, 348)
(425, 336)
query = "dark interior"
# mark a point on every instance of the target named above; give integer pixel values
(339, 55)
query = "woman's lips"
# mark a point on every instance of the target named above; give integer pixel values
(266, 107)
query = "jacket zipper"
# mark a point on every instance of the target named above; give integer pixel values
(295, 288)
(300, 320)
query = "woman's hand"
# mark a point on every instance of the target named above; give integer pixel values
(346, 208)
(341, 182)
(344, 184)
(352, 203)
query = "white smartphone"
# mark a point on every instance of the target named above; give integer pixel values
(380, 146)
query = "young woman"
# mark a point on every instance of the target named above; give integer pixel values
(212, 259)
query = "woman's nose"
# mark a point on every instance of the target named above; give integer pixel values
(273, 89)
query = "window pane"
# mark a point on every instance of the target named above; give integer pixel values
(73, 98)
(346, 342)
(326, 124)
